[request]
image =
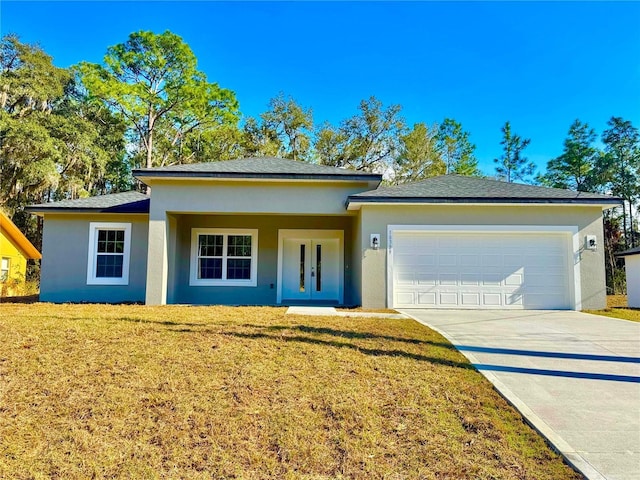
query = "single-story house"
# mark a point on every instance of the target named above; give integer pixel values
(268, 231)
(632, 272)
(15, 250)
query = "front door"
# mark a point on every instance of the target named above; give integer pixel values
(311, 269)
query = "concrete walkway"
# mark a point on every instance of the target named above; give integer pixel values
(574, 376)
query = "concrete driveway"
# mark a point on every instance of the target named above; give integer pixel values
(574, 376)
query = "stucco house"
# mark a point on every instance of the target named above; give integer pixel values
(632, 272)
(15, 250)
(269, 231)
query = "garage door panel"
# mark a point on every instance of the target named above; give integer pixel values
(545, 281)
(404, 259)
(425, 260)
(405, 278)
(514, 280)
(448, 279)
(470, 299)
(492, 300)
(492, 279)
(426, 279)
(512, 260)
(470, 270)
(405, 298)
(494, 260)
(426, 298)
(448, 259)
(513, 299)
(470, 278)
(448, 299)
(470, 260)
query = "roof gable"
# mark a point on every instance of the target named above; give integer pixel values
(454, 188)
(10, 230)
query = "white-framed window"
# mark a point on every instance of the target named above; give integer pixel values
(109, 250)
(221, 256)
(5, 266)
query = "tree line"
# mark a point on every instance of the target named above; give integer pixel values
(71, 133)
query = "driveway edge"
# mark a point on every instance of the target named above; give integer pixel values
(557, 443)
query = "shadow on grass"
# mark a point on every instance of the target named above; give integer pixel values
(376, 352)
(167, 323)
(26, 299)
(187, 327)
(349, 334)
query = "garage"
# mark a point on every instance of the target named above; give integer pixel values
(481, 269)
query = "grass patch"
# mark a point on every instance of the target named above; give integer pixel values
(96, 391)
(617, 308)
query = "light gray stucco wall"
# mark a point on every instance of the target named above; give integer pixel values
(265, 293)
(65, 250)
(376, 218)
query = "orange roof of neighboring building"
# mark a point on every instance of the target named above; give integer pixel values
(13, 232)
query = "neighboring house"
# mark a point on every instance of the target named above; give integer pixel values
(268, 231)
(15, 250)
(632, 271)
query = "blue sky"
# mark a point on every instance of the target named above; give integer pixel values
(538, 65)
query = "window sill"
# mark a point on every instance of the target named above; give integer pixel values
(108, 281)
(223, 283)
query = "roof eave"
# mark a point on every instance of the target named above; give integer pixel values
(147, 176)
(627, 254)
(40, 211)
(354, 202)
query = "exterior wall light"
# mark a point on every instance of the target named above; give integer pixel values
(375, 241)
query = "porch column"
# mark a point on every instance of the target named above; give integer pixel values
(157, 264)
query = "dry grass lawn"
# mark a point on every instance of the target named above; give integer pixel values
(617, 308)
(96, 391)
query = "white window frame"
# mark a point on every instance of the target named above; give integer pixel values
(225, 232)
(5, 273)
(94, 228)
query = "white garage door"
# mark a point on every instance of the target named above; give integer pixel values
(481, 270)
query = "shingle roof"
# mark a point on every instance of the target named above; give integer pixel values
(257, 167)
(126, 202)
(628, 253)
(463, 189)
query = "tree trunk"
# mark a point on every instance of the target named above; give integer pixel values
(624, 224)
(150, 125)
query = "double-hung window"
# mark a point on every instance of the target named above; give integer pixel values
(224, 257)
(109, 250)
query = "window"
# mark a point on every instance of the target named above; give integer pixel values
(109, 245)
(4, 269)
(224, 257)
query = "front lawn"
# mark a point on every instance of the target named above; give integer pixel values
(95, 391)
(617, 308)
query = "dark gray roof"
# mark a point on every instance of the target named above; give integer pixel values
(126, 202)
(628, 253)
(463, 189)
(257, 167)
